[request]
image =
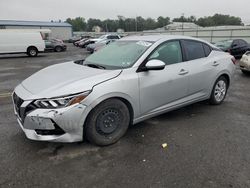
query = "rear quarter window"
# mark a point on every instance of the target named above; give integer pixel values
(207, 49)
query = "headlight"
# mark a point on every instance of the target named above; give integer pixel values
(61, 102)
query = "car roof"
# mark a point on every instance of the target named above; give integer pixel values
(154, 38)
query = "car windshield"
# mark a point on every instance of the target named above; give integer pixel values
(224, 43)
(120, 54)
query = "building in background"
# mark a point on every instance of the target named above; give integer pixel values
(58, 30)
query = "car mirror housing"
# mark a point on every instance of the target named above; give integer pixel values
(155, 64)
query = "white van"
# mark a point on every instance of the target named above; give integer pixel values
(12, 42)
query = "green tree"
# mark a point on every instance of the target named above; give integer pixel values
(185, 19)
(219, 20)
(161, 21)
(78, 23)
(150, 24)
(94, 22)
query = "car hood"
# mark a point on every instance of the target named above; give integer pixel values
(65, 79)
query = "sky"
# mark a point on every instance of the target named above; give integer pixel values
(46, 10)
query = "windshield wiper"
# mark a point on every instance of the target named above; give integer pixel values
(95, 66)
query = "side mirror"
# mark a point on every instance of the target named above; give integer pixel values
(234, 45)
(155, 64)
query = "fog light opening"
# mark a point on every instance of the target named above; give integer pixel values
(56, 131)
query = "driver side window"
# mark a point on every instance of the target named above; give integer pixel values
(169, 53)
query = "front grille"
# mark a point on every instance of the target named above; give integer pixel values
(22, 109)
(17, 102)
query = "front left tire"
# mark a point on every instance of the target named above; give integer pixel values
(107, 122)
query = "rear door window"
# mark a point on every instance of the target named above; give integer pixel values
(193, 50)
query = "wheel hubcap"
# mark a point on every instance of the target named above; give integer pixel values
(33, 52)
(220, 90)
(108, 121)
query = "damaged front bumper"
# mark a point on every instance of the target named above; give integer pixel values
(56, 125)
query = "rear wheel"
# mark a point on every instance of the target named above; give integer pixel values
(32, 51)
(245, 72)
(219, 91)
(58, 49)
(107, 123)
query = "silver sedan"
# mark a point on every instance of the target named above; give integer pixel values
(127, 82)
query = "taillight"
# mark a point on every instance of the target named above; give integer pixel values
(234, 60)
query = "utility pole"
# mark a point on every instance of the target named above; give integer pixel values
(136, 24)
(106, 27)
(183, 20)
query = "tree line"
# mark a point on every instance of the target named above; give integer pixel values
(140, 24)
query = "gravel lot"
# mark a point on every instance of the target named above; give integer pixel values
(208, 146)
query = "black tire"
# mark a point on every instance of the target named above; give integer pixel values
(58, 49)
(32, 51)
(107, 122)
(219, 92)
(246, 72)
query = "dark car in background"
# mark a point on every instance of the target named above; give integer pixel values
(236, 47)
(74, 39)
(80, 42)
(55, 45)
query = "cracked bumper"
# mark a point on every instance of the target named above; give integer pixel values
(70, 120)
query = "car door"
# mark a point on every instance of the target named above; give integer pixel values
(161, 88)
(201, 68)
(48, 45)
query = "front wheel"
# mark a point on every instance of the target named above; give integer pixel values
(219, 91)
(107, 123)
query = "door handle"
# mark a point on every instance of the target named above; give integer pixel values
(215, 63)
(183, 72)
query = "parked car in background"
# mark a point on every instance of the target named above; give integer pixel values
(236, 47)
(15, 41)
(74, 39)
(79, 43)
(55, 45)
(82, 38)
(101, 38)
(98, 45)
(58, 40)
(128, 81)
(245, 63)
